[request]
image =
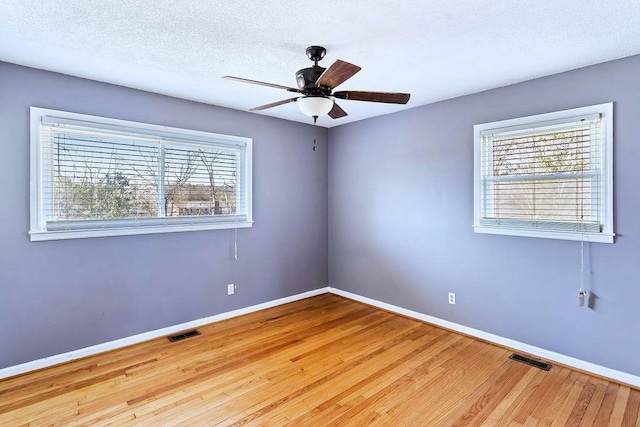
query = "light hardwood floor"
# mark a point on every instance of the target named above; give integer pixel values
(324, 361)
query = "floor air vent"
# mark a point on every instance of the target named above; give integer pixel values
(184, 335)
(529, 361)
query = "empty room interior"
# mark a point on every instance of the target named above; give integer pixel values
(335, 213)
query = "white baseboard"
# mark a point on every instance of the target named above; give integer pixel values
(582, 365)
(602, 371)
(146, 336)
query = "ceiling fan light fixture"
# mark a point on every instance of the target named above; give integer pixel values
(315, 106)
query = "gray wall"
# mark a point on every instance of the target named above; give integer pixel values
(59, 296)
(401, 210)
(400, 213)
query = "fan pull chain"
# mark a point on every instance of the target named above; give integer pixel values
(315, 133)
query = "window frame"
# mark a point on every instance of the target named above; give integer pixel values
(39, 230)
(606, 234)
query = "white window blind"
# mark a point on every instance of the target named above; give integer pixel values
(546, 176)
(97, 176)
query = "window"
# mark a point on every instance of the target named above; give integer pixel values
(549, 175)
(93, 176)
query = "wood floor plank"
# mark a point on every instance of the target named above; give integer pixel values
(425, 401)
(620, 406)
(631, 411)
(543, 394)
(496, 415)
(310, 384)
(589, 418)
(531, 422)
(570, 402)
(374, 373)
(321, 361)
(514, 404)
(580, 408)
(488, 397)
(370, 382)
(476, 376)
(606, 407)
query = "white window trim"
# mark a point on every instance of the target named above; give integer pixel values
(606, 235)
(38, 226)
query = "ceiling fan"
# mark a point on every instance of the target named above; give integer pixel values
(316, 85)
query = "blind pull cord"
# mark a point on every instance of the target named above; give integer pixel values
(235, 244)
(581, 292)
(235, 257)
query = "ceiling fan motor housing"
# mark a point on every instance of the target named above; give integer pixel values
(307, 77)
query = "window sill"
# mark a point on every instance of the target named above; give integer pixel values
(39, 236)
(559, 235)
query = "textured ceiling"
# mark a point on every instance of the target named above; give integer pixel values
(435, 49)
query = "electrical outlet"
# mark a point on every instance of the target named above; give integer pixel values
(452, 298)
(231, 289)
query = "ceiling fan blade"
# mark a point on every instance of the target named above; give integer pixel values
(274, 104)
(337, 74)
(256, 82)
(386, 97)
(337, 112)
